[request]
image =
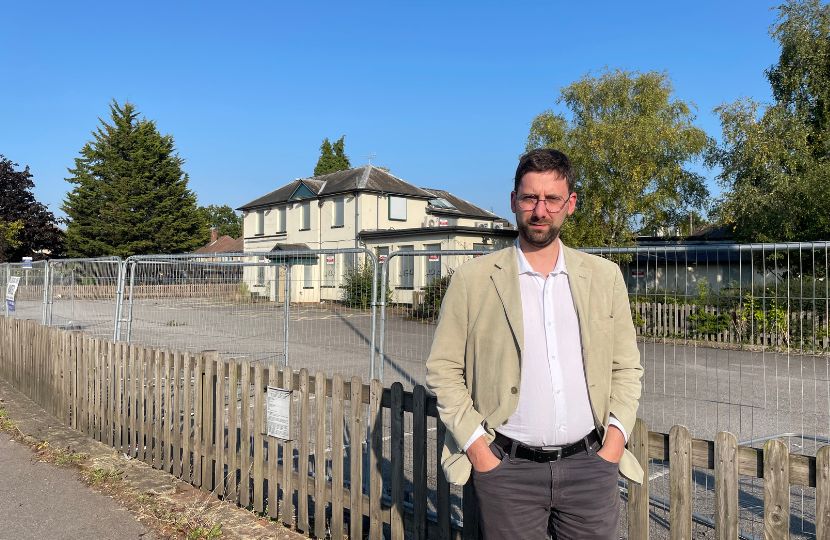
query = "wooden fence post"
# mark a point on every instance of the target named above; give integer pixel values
(680, 479)
(356, 439)
(776, 490)
(726, 486)
(320, 455)
(396, 458)
(419, 460)
(638, 494)
(337, 419)
(375, 460)
(302, 481)
(823, 493)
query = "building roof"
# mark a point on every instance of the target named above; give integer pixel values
(456, 207)
(366, 178)
(223, 244)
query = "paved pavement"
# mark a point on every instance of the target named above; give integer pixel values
(44, 501)
(41, 500)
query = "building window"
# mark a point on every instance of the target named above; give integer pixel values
(308, 275)
(306, 209)
(281, 214)
(260, 222)
(337, 216)
(397, 208)
(433, 263)
(406, 269)
(329, 270)
(260, 275)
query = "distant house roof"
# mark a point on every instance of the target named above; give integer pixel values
(445, 203)
(366, 178)
(436, 231)
(223, 244)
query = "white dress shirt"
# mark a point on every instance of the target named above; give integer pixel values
(554, 408)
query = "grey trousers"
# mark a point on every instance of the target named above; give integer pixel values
(572, 498)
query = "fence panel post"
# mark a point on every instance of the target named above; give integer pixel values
(680, 478)
(287, 511)
(320, 455)
(638, 494)
(302, 481)
(823, 493)
(776, 490)
(375, 460)
(273, 451)
(258, 427)
(245, 436)
(726, 486)
(157, 409)
(356, 459)
(233, 433)
(396, 458)
(419, 460)
(187, 432)
(337, 456)
(219, 429)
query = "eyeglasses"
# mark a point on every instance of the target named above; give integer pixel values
(553, 205)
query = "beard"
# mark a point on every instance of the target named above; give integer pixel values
(539, 238)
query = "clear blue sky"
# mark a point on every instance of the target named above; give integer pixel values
(442, 93)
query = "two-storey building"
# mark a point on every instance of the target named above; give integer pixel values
(365, 207)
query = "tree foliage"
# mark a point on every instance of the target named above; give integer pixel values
(630, 143)
(224, 218)
(130, 195)
(774, 159)
(27, 227)
(333, 157)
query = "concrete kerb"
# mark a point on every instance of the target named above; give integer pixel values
(169, 495)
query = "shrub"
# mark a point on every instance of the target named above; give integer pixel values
(433, 297)
(357, 287)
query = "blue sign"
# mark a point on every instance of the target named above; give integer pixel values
(10, 305)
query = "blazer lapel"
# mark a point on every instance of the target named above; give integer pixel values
(506, 280)
(580, 283)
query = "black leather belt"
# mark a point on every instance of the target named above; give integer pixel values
(544, 454)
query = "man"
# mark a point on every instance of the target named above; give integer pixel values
(537, 374)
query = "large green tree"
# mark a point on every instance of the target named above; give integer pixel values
(131, 195)
(223, 218)
(775, 159)
(27, 227)
(333, 157)
(630, 143)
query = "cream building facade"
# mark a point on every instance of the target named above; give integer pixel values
(361, 208)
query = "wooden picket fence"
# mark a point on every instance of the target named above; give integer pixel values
(201, 418)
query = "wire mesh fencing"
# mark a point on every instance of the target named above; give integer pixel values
(304, 308)
(733, 338)
(83, 294)
(28, 296)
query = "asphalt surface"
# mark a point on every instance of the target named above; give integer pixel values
(43, 501)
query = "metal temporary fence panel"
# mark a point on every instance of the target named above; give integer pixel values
(732, 338)
(412, 286)
(83, 294)
(291, 308)
(29, 297)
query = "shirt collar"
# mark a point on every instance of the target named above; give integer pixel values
(525, 268)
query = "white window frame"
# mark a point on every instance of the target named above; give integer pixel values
(260, 222)
(397, 208)
(282, 217)
(338, 212)
(306, 216)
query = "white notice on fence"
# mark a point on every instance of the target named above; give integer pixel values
(277, 407)
(11, 287)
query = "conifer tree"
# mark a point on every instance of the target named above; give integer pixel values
(131, 195)
(333, 157)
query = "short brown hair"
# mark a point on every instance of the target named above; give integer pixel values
(544, 160)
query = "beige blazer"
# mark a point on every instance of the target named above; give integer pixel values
(473, 367)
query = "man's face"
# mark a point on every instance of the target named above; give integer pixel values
(539, 226)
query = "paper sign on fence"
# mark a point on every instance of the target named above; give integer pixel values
(278, 413)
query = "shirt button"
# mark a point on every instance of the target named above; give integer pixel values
(514, 390)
